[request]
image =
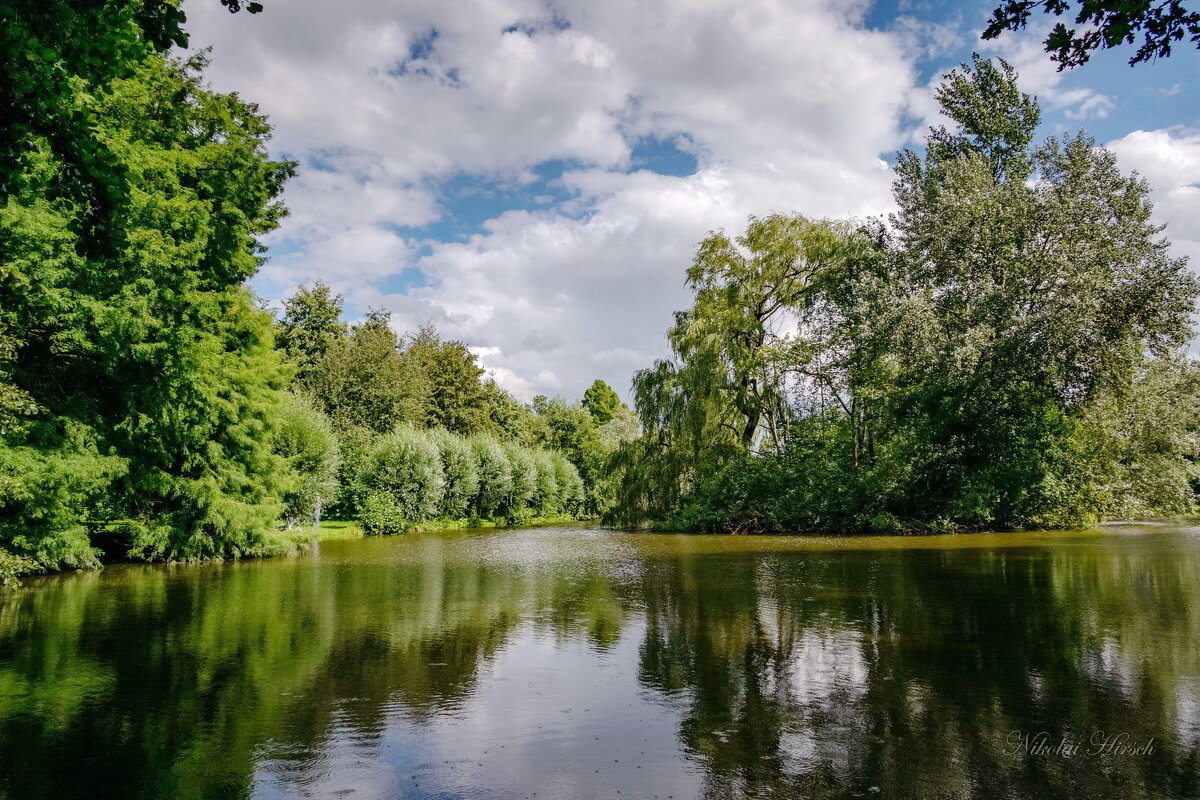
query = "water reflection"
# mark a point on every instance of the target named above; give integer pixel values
(576, 662)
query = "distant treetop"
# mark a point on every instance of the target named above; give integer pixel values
(601, 401)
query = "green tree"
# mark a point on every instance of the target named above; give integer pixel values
(572, 431)
(144, 376)
(967, 365)
(522, 481)
(725, 390)
(364, 380)
(456, 399)
(460, 468)
(495, 476)
(1025, 301)
(601, 401)
(407, 465)
(572, 494)
(311, 324)
(509, 419)
(1145, 442)
(623, 427)
(304, 436)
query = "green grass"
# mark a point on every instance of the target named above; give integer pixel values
(334, 529)
(472, 523)
(331, 529)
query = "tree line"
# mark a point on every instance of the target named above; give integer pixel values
(400, 429)
(1007, 350)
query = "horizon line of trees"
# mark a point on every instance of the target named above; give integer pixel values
(359, 390)
(1006, 350)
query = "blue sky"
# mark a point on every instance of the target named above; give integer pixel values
(533, 177)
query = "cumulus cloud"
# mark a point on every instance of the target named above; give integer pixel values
(403, 114)
(1169, 160)
(784, 107)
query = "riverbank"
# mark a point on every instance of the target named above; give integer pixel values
(13, 568)
(333, 530)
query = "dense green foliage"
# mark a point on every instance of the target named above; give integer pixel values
(382, 515)
(460, 468)
(369, 380)
(305, 437)
(363, 378)
(1004, 351)
(495, 476)
(311, 325)
(407, 465)
(1001, 354)
(138, 379)
(601, 401)
(144, 394)
(417, 475)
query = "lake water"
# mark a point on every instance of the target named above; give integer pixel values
(570, 662)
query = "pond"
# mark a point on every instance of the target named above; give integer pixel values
(571, 661)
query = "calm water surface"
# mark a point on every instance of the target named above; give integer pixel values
(575, 662)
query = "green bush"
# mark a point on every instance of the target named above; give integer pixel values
(460, 468)
(381, 515)
(438, 474)
(48, 492)
(304, 436)
(572, 494)
(407, 464)
(545, 499)
(523, 476)
(356, 445)
(12, 566)
(495, 476)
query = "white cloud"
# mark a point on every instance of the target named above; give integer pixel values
(1169, 160)
(787, 106)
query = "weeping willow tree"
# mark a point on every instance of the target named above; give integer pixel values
(757, 334)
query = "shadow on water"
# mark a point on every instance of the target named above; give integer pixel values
(580, 662)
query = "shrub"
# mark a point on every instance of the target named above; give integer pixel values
(47, 493)
(12, 566)
(356, 446)
(406, 464)
(523, 473)
(381, 515)
(545, 498)
(495, 476)
(460, 468)
(304, 436)
(571, 492)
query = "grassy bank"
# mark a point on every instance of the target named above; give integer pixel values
(332, 530)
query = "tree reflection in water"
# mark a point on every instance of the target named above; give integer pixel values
(575, 661)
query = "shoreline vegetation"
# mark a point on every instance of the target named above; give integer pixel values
(335, 529)
(1006, 351)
